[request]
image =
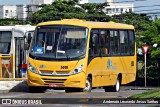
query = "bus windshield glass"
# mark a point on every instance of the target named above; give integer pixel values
(59, 42)
(5, 42)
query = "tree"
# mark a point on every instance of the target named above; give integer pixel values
(61, 9)
(5, 22)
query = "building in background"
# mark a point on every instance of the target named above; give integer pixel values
(22, 12)
(8, 11)
(39, 2)
(117, 8)
(35, 3)
(83, 1)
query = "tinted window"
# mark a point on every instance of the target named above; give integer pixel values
(114, 42)
(131, 42)
(94, 43)
(5, 42)
(124, 42)
(104, 42)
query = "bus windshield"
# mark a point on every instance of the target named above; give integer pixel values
(5, 42)
(59, 42)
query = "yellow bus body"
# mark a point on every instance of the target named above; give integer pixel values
(101, 75)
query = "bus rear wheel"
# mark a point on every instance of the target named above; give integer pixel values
(116, 87)
(108, 88)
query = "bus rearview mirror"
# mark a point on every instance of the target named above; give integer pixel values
(29, 38)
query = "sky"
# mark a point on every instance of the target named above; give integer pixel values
(136, 4)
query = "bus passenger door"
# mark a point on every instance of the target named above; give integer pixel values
(104, 48)
(19, 56)
(94, 60)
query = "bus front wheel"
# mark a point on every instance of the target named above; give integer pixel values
(88, 87)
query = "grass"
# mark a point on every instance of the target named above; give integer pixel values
(149, 94)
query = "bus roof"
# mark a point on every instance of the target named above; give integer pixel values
(24, 28)
(21, 30)
(6, 28)
(89, 24)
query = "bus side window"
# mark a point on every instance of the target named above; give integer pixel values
(104, 42)
(114, 42)
(94, 44)
(124, 42)
(131, 42)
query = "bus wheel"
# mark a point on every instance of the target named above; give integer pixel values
(116, 87)
(88, 87)
(108, 89)
(36, 89)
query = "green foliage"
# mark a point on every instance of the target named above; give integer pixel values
(61, 9)
(149, 94)
(5, 22)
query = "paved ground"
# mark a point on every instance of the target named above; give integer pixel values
(59, 98)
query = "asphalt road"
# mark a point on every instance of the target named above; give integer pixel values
(59, 98)
(96, 93)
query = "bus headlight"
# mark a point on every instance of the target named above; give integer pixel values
(32, 68)
(78, 69)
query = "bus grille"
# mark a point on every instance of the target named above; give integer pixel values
(43, 72)
(62, 72)
(46, 80)
(56, 73)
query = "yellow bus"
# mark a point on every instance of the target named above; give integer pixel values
(78, 55)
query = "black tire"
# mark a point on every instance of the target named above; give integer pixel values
(108, 89)
(116, 87)
(88, 87)
(36, 89)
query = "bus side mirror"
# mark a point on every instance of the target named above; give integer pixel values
(29, 38)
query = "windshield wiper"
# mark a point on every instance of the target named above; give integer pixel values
(60, 51)
(64, 52)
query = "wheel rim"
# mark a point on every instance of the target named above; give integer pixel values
(88, 85)
(117, 85)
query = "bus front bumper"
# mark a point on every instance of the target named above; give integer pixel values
(72, 81)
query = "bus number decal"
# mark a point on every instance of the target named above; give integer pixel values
(64, 67)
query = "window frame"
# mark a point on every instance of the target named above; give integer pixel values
(119, 53)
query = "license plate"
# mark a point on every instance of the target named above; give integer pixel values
(53, 85)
